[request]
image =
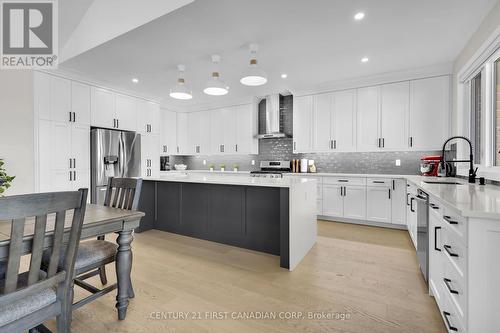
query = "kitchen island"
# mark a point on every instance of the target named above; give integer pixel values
(276, 216)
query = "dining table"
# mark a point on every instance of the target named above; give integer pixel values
(99, 220)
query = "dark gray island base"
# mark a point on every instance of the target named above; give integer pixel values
(250, 217)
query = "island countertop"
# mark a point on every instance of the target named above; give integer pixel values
(228, 179)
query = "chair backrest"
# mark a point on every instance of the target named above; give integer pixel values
(43, 207)
(123, 193)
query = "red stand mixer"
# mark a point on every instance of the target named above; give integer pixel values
(429, 165)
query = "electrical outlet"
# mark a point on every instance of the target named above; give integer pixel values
(204, 162)
(398, 162)
(253, 162)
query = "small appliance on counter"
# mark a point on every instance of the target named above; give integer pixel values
(272, 169)
(429, 165)
(164, 163)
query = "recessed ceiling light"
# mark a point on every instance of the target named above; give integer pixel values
(359, 16)
(284, 76)
(364, 59)
(135, 80)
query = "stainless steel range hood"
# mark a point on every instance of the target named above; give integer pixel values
(271, 130)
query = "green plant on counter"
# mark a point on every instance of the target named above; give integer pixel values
(236, 166)
(211, 166)
(5, 180)
(222, 166)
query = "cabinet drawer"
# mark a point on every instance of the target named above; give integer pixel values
(455, 287)
(379, 182)
(454, 251)
(435, 207)
(456, 223)
(451, 318)
(344, 180)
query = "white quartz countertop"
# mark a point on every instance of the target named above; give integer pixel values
(332, 174)
(230, 179)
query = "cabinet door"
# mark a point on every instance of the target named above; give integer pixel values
(60, 180)
(344, 121)
(199, 132)
(333, 201)
(229, 128)
(355, 202)
(246, 129)
(368, 119)
(80, 102)
(146, 153)
(102, 113)
(148, 117)
(217, 131)
(126, 112)
(378, 204)
(42, 95)
(302, 124)
(80, 146)
(154, 142)
(81, 179)
(435, 258)
(322, 135)
(168, 132)
(182, 134)
(398, 207)
(154, 117)
(44, 155)
(60, 145)
(60, 99)
(394, 115)
(429, 113)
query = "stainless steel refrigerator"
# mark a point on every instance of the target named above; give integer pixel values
(113, 154)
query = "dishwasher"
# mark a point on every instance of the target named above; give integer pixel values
(423, 232)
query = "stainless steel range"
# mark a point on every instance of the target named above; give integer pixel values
(272, 169)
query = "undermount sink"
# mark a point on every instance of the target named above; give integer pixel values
(442, 182)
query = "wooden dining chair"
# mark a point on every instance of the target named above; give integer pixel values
(29, 298)
(93, 255)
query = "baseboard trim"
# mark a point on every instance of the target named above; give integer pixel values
(362, 222)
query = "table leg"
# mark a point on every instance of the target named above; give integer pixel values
(123, 269)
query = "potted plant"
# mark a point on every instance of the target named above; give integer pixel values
(235, 167)
(5, 180)
(222, 167)
(211, 167)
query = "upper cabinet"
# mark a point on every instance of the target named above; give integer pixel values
(102, 108)
(148, 117)
(168, 132)
(302, 124)
(60, 99)
(246, 129)
(394, 107)
(126, 112)
(429, 113)
(367, 127)
(80, 102)
(199, 133)
(182, 134)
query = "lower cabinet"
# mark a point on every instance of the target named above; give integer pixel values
(411, 213)
(344, 201)
(379, 204)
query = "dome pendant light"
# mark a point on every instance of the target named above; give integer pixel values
(216, 86)
(254, 76)
(180, 90)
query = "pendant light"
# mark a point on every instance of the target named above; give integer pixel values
(216, 86)
(180, 90)
(254, 76)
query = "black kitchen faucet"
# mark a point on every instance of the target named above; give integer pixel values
(472, 171)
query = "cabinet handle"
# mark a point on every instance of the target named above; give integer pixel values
(74, 162)
(393, 185)
(70, 176)
(383, 142)
(447, 283)
(341, 191)
(74, 117)
(331, 144)
(345, 191)
(378, 182)
(177, 149)
(74, 175)
(449, 220)
(69, 116)
(70, 163)
(379, 142)
(451, 328)
(334, 144)
(447, 249)
(294, 145)
(117, 123)
(343, 181)
(433, 206)
(407, 202)
(411, 204)
(389, 194)
(411, 141)
(236, 147)
(435, 238)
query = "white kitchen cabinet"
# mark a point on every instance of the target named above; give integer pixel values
(379, 201)
(80, 147)
(42, 94)
(367, 126)
(80, 103)
(60, 99)
(302, 124)
(223, 131)
(429, 113)
(148, 117)
(355, 202)
(411, 213)
(322, 121)
(199, 133)
(398, 206)
(150, 160)
(102, 108)
(168, 132)
(182, 134)
(333, 200)
(60, 145)
(394, 116)
(436, 268)
(126, 112)
(344, 121)
(246, 129)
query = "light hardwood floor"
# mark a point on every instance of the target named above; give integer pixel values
(370, 274)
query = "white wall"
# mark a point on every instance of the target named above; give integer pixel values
(16, 128)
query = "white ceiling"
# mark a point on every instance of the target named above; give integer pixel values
(313, 41)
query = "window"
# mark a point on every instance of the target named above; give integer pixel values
(497, 112)
(476, 118)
